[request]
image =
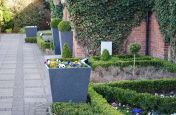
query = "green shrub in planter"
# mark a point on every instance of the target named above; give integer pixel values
(66, 52)
(105, 55)
(54, 22)
(64, 26)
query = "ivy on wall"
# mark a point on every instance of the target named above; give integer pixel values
(97, 20)
(162, 12)
(56, 11)
(166, 15)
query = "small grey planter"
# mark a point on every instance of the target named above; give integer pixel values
(69, 84)
(66, 37)
(31, 31)
(56, 41)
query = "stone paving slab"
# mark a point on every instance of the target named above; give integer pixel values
(7, 71)
(32, 83)
(6, 84)
(34, 76)
(6, 92)
(5, 112)
(7, 77)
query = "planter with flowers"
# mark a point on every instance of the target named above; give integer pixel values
(55, 33)
(69, 78)
(65, 35)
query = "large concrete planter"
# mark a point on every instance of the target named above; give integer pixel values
(56, 41)
(69, 84)
(31, 31)
(66, 37)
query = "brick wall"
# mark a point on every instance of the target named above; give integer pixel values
(137, 35)
(158, 48)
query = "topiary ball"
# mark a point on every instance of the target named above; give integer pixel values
(66, 51)
(105, 55)
(134, 48)
(64, 26)
(55, 22)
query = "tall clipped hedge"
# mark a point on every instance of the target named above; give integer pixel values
(97, 20)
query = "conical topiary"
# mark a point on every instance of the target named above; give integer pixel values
(105, 55)
(66, 51)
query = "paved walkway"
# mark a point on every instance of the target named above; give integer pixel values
(23, 79)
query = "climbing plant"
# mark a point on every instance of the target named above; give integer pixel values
(56, 11)
(97, 20)
(166, 15)
(172, 30)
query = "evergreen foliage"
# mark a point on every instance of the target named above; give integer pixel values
(66, 53)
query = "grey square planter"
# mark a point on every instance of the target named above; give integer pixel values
(66, 37)
(31, 31)
(56, 41)
(69, 84)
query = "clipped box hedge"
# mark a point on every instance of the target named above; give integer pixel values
(124, 61)
(130, 92)
(72, 109)
(31, 40)
(147, 86)
(96, 105)
(43, 44)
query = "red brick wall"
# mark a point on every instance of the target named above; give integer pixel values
(137, 35)
(158, 48)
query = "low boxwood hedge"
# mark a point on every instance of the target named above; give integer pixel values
(31, 40)
(43, 44)
(72, 109)
(147, 86)
(100, 104)
(145, 101)
(122, 61)
(96, 105)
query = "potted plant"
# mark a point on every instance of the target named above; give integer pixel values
(66, 35)
(56, 40)
(69, 78)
